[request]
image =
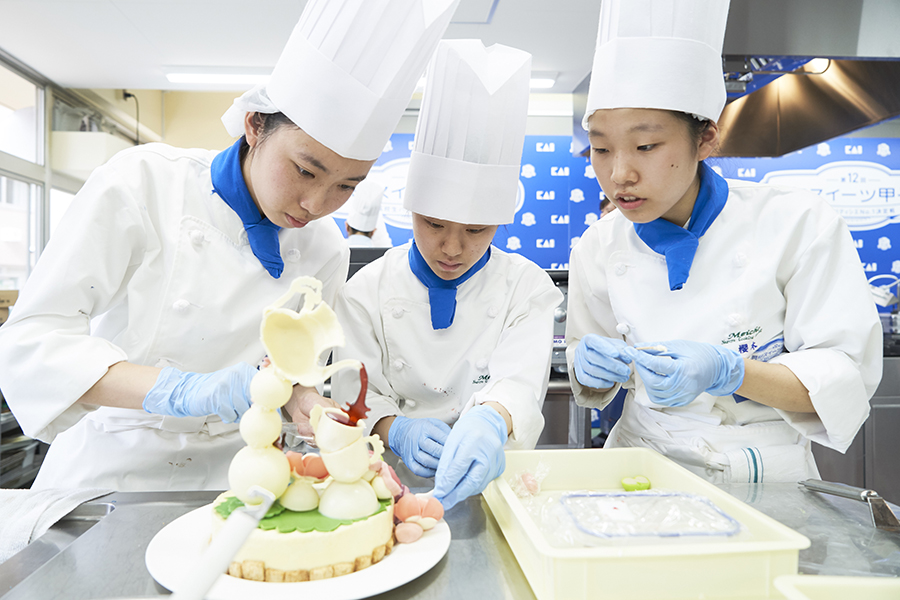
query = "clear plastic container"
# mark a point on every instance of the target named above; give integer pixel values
(742, 566)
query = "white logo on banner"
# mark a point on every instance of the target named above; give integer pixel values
(884, 243)
(574, 241)
(865, 194)
(589, 172)
(590, 219)
(895, 266)
(513, 243)
(576, 195)
(528, 219)
(883, 150)
(528, 171)
(823, 149)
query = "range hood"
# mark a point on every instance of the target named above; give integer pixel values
(859, 87)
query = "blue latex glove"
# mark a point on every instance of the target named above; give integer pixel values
(179, 394)
(687, 369)
(601, 362)
(473, 456)
(418, 443)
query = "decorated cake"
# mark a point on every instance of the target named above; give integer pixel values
(336, 511)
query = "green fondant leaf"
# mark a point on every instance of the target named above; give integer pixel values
(286, 521)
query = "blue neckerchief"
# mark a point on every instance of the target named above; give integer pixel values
(228, 182)
(679, 244)
(441, 292)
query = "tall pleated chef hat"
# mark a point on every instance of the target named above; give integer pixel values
(468, 146)
(348, 71)
(365, 204)
(663, 54)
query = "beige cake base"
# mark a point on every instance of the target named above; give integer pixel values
(295, 556)
(256, 570)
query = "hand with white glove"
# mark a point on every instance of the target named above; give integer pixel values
(473, 456)
(601, 362)
(418, 443)
(179, 394)
(686, 369)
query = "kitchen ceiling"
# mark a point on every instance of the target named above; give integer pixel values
(132, 44)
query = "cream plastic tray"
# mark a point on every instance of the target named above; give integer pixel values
(743, 566)
(824, 587)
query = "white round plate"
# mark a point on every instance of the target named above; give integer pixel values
(177, 547)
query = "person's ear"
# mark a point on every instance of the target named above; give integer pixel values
(709, 141)
(252, 127)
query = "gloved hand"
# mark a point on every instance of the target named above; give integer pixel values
(687, 369)
(473, 456)
(601, 362)
(418, 443)
(179, 394)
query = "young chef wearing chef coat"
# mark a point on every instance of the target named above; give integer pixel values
(135, 339)
(365, 207)
(454, 332)
(771, 339)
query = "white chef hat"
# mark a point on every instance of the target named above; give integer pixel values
(365, 204)
(349, 70)
(468, 146)
(663, 54)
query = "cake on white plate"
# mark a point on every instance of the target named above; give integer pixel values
(335, 511)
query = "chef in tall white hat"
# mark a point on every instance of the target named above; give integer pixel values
(736, 315)
(136, 337)
(456, 335)
(365, 209)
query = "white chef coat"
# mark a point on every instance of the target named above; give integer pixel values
(498, 348)
(357, 240)
(151, 267)
(776, 276)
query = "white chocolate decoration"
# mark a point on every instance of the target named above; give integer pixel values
(355, 500)
(331, 436)
(269, 389)
(266, 467)
(260, 427)
(296, 341)
(300, 496)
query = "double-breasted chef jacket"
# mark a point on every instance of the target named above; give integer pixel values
(497, 349)
(148, 266)
(776, 277)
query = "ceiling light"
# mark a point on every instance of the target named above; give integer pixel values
(540, 83)
(218, 78)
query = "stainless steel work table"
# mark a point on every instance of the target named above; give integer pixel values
(106, 559)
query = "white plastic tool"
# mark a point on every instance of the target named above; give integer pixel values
(215, 560)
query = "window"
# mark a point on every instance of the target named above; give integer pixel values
(18, 227)
(19, 118)
(59, 204)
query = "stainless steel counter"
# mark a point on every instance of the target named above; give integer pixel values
(99, 552)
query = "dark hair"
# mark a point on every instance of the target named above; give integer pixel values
(354, 231)
(696, 127)
(268, 123)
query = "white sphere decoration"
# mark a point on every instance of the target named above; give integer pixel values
(269, 389)
(260, 426)
(266, 467)
(300, 496)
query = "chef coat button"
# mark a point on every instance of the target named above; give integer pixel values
(397, 312)
(621, 268)
(740, 260)
(292, 255)
(482, 364)
(397, 364)
(734, 320)
(180, 305)
(197, 237)
(623, 328)
(493, 312)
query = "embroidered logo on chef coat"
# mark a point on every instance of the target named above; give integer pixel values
(481, 379)
(742, 336)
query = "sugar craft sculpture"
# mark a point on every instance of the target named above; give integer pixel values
(347, 484)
